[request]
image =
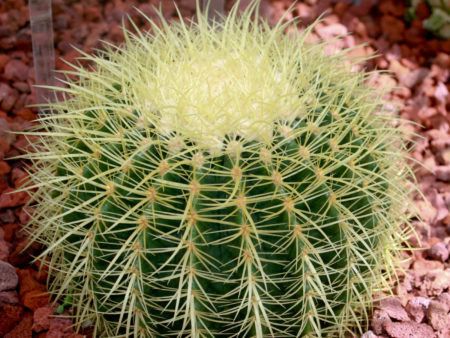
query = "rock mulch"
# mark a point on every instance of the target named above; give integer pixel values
(420, 65)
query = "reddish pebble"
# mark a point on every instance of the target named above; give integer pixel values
(23, 329)
(379, 319)
(10, 199)
(416, 307)
(59, 327)
(26, 113)
(9, 298)
(41, 318)
(28, 283)
(393, 307)
(3, 61)
(35, 299)
(8, 276)
(442, 173)
(394, 28)
(422, 10)
(437, 315)
(408, 329)
(422, 267)
(438, 252)
(4, 168)
(92, 13)
(16, 70)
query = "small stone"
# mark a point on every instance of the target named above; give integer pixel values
(436, 282)
(41, 318)
(7, 216)
(437, 315)
(442, 172)
(416, 307)
(369, 334)
(26, 113)
(10, 199)
(21, 86)
(444, 298)
(411, 79)
(8, 276)
(35, 299)
(8, 103)
(14, 312)
(393, 307)
(23, 329)
(379, 318)
(3, 61)
(438, 252)
(92, 13)
(59, 327)
(4, 168)
(422, 267)
(9, 298)
(28, 283)
(16, 70)
(5, 249)
(408, 329)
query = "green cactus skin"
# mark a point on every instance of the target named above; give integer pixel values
(285, 227)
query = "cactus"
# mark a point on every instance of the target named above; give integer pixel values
(219, 179)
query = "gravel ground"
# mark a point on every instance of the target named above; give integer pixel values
(420, 65)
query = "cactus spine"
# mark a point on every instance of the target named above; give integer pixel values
(219, 181)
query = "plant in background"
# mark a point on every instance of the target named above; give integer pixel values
(219, 180)
(439, 20)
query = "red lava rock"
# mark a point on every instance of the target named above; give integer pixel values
(23, 329)
(22, 86)
(416, 307)
(59, 327)
(436, 282)
(92, 13)
(16, 70)
(18, 176)
(8, 276)
(413, 78)
(395, 8)
(27, 114)
(41, 318)
(6, 325)
(393, 307)
(379, 319)
(393, 27)
(3, 61)
(363, 7)
(28, 283)
(438, 252)
(443, 173)
(422, 10)
(422, 267)
(408, 329)
(9, 298)
(10, 199)
(20, 255)
(35, 299)
(437, 315)
(8, 102)
(4, 168)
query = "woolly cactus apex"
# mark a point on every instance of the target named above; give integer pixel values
(220, 180)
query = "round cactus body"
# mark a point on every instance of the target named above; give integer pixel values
(219, 181)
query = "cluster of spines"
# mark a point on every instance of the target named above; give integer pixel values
(154, 234)
(322, 179)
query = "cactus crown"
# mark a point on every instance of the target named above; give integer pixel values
(219, 179)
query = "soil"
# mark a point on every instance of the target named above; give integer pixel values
(420, 67)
